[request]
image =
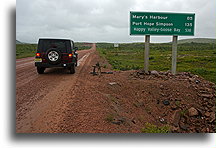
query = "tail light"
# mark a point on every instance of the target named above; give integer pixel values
(70, 55)
(38, 54)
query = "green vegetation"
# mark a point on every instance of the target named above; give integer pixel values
(197, 58)
(197, 40)
(177, 103)
(110, 118)
(82, 46)
(150, 128)
(25, 50)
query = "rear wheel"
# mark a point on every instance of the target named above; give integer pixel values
(40, 70)
(72, 69)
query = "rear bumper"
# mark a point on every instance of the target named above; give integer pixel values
(47, 65)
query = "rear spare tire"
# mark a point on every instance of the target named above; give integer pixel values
(53, 56)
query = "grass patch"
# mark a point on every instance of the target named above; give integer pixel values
(82, 46)
(197, 58)
(25, 50)
(150, 128)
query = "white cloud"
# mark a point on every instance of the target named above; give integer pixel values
(102, 20)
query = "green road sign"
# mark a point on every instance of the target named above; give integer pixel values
(157, 23)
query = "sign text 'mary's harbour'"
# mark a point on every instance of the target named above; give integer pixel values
(157, 23)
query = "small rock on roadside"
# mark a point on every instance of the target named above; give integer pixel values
(113, 83)
(174, 129)
(183, 126)
(193, 112)
(162, 120)
(206, 95)
(116, 122)
(191, 80)
(197, 81)
(154, 72)
(212, 117)
(166, 102)
(176, 118)
(207, 114)
(119, 120)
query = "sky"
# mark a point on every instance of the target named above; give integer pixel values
(104, 20)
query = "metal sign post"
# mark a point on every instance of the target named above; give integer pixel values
(174, 54)
(146, 58)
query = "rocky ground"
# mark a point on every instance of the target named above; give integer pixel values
(185, 102)
(127, 100)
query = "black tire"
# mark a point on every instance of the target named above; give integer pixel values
(59, 56)
(40, 70)
(72, 69)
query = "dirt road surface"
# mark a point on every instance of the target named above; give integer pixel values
(122, 102)
(42, 100)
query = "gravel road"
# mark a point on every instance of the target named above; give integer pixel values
(40, 99)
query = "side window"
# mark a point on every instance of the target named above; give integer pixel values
(68, 45)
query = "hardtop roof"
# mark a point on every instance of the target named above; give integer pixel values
(55, 39)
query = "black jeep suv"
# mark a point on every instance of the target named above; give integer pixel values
(56, 53)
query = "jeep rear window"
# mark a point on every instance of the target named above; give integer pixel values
(44, 45)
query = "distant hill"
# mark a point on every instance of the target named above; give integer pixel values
(18, 42)
(197, 40)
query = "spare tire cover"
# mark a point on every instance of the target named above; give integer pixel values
(53, 56)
